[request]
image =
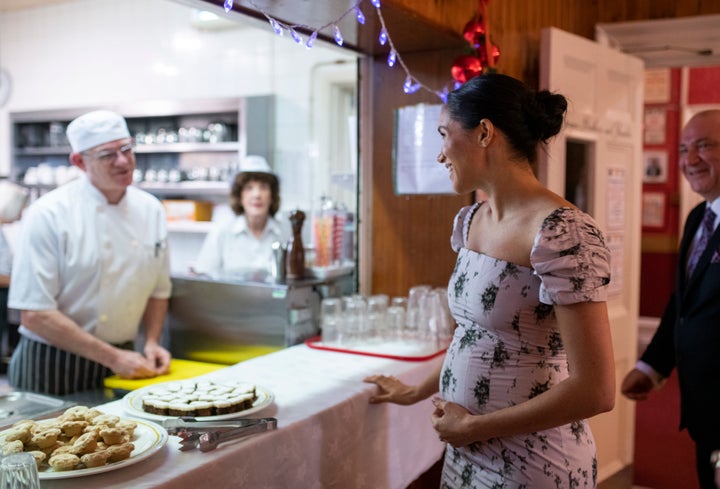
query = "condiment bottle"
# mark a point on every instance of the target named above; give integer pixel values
(295, 247)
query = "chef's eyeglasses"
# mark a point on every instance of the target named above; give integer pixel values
(110, 156)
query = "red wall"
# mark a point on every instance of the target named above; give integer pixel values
(704, 85)
(659, 251)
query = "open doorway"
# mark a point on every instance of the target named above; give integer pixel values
(578, 172)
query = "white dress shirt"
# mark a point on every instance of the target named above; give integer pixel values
(231, 251)
(97, 263)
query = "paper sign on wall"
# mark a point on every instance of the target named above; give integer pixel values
(416, 147)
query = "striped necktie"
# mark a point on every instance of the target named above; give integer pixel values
(708, 226)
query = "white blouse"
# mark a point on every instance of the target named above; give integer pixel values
(231, 251)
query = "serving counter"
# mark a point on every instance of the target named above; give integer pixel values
(327, 436)
(230, 321)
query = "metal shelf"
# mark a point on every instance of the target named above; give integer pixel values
(227, 146)
(188, 147)
(187, 189)
(44, 151)
(200, 227)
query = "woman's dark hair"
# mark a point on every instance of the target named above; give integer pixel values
(525, 116)
(243, 178)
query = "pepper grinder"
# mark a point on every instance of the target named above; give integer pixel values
(295, 247)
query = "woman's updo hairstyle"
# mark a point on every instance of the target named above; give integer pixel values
(525, 116)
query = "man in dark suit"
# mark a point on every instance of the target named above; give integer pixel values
(688, 337)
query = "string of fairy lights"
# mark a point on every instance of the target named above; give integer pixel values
(411, 84)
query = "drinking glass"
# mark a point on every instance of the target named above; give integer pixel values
(399, 302)
(416, 314)
(356, 325)
(395, 322)
(19, 471)
(445, 322)
(331, 320)
(376, 315)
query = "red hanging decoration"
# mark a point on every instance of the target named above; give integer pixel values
(474, 32)
(484, 54)
(466, 67)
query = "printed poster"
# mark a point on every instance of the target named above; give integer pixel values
(417, 146)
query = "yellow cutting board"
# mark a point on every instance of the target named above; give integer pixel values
(232, 355)
(179, 370)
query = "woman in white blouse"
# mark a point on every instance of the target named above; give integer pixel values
(241, 248)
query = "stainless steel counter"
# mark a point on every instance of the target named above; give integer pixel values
(223, 316)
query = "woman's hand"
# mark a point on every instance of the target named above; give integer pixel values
(390, 389)
(452, 423)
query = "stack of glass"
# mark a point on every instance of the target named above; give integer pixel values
(422, 318)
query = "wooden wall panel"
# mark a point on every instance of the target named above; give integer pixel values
(515, 25)
(409, 235)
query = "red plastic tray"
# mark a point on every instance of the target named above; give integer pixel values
(316, 343)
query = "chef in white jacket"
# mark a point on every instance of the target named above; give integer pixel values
(241, 248)
(91, 265)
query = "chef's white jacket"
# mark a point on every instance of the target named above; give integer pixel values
(5, 255)
(95, 262)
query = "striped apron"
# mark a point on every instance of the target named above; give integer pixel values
(45, 369)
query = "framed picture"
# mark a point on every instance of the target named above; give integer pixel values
(653, 209)
(655, 166)
(657, 86)
(655, 121)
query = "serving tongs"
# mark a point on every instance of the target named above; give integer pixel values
(207, 435)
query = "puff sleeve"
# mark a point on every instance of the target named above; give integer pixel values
(571, 259)
(461, 225)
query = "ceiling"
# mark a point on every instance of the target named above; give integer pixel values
(413, 38)
(411, 33)
(8, 5)
(684, 41)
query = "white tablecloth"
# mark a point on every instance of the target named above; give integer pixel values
(328, 435)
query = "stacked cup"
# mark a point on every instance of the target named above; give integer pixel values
(376, 317)
(330, 320)
(19, 471)
(423, 318)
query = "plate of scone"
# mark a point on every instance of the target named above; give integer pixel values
(83, 441)
(200, 399)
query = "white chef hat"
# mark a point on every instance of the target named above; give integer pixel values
(95, 128)
(255, 163)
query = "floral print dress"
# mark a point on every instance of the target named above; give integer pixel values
(507, 349)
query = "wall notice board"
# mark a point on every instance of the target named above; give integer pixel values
(416, 145)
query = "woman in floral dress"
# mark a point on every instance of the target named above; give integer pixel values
(531, 357)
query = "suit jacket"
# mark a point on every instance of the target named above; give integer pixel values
(688, 337)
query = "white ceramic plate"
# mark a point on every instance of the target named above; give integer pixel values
(148, 439)
(132, 403)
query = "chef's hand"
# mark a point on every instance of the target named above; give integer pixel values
(159, 357)
(390, 389)
(132, 365)
(451, 422)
